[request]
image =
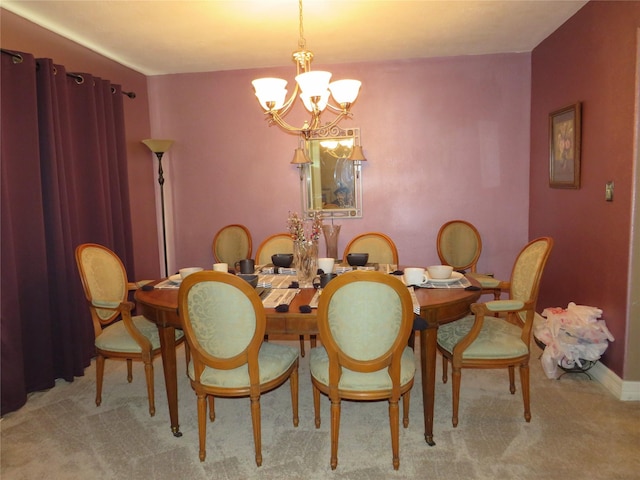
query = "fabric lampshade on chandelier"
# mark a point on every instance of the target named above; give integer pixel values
(314, 89)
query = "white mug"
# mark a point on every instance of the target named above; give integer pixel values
(326, 264)
(414, 276)
(220, 267)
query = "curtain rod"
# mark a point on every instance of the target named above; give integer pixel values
(17, 58)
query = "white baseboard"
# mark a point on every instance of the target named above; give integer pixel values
(627, 391)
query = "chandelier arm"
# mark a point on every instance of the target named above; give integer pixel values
(344, 110)
(276, 118)
(282, 111)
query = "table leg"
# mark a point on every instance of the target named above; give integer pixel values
(428, 347)
(168, 351)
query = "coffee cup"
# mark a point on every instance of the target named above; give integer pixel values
(414, 276)
(326, 278)
(247, 265)
(326, 264)
(221, 267)
(185, 272)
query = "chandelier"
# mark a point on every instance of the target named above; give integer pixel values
(314, 89)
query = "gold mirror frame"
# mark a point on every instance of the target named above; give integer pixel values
(331, 183)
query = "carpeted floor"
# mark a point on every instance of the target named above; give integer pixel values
(578, 431)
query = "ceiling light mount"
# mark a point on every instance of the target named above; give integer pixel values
(314, 90)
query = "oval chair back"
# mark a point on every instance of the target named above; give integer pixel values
(380, 247)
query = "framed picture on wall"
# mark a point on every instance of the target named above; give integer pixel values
(564, 147)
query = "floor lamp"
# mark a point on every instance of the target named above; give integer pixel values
(159, 147)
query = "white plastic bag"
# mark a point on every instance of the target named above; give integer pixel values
(571, 335)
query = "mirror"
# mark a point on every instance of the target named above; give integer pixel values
(332, 183)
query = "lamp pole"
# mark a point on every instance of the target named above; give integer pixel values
(159, 147)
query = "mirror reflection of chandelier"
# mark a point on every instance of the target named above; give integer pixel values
(314, 89)
(338, 148)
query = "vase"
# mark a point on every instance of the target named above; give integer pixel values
(305, 257)
(331, 233)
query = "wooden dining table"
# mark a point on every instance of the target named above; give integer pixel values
(437, 306)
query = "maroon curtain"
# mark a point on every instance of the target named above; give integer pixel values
(64, 182)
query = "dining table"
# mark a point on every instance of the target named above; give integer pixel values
(437, 306)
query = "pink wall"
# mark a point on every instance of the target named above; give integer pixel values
(445, 138)
(22, 35)
(590, 59)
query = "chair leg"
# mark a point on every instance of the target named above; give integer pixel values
(129, 370)
(316, 405)
(187, 357)
(395, 433)
(293, 380)
(302, 345)
(212, 408)
(512, 379)
(405, 408)
(524, 381)
(257, 433)
(445, 368)
(148, 371)
(202, 425)
(312, 341)
(99, 378)
(335, 432)
(455, 381)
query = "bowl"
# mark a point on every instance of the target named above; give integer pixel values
(283, 260)
(439, 272)
(185, 272)
(357, 259)
(249, 278)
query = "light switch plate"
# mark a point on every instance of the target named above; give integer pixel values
(608, 191)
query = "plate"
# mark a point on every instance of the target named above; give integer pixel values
(176, 278)
(455, 276)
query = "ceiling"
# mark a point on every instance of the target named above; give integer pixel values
(163, 37)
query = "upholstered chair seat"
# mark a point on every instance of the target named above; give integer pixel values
(350, 380)
(116, 338)
(272, 361)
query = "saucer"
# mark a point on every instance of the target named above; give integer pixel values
(176, 278)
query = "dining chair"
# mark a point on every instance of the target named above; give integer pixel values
(380, 247)
(459, 245)
(224, 323)
(231, 244)
(118, 333)
(364, 322)
(279, 243)
(498, 333)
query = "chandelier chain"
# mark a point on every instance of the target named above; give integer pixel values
(302, 42)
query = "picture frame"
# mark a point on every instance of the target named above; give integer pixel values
(564, 146)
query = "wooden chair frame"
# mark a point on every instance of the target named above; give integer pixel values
(220, 234)
(104, 314)
(249, 356)
(339, 360)
(351, 246)
(520, 312)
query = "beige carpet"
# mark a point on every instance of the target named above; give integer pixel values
(578, 431)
